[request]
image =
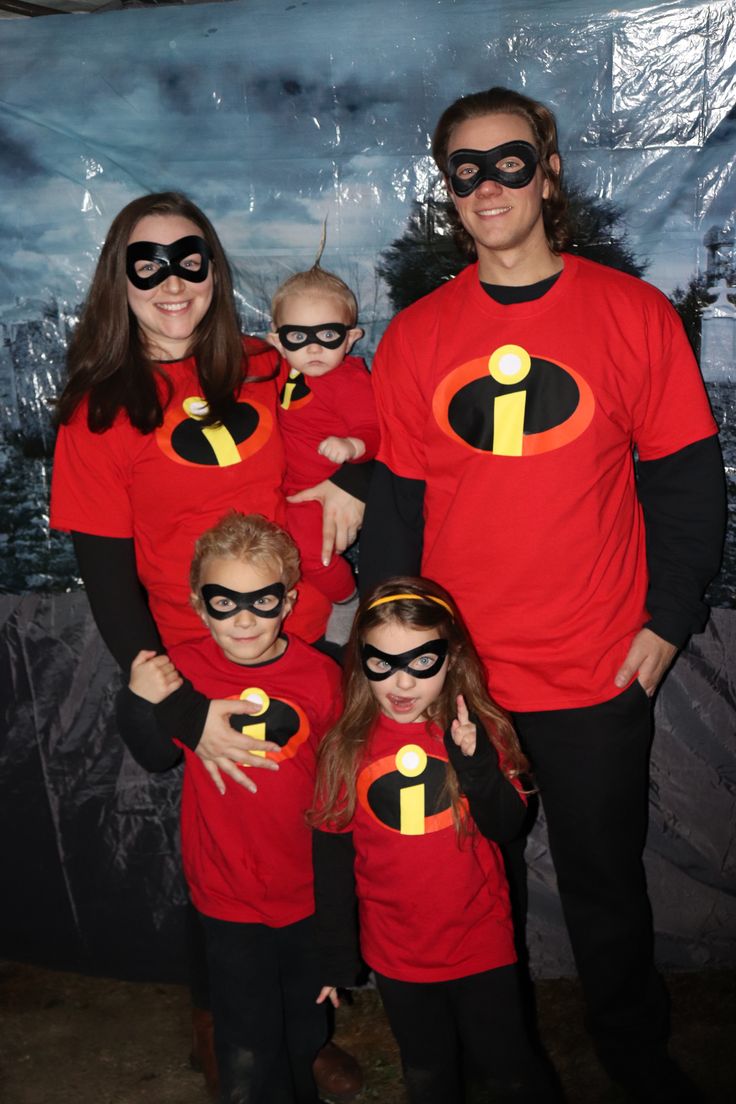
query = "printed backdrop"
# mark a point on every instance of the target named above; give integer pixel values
(273, 118)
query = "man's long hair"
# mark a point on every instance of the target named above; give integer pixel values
(504, 101)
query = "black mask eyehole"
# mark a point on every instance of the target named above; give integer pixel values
(378, 665)
(221, 602)
(148, 264)
(468, 168)
(328, 334)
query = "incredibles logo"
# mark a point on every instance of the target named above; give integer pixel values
(282, 722)
(513, 404)
(185, 438)
(405, 792)
(295, 393)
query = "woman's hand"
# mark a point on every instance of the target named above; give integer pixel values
(329, 992)
(223, 750)
(153, 677)
(342, 516)
(462, 730)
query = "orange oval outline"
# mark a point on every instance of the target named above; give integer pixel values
(534, 444)
(387, 765)
(173, 418)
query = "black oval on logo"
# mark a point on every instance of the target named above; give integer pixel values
(552, 396)
(188, 439)
(385, 802)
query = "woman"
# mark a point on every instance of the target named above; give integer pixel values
(168, 421)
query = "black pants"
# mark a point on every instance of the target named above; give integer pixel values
(592, 769)
(465, 1040)
(263, 986)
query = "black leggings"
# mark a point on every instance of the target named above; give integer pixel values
(263, 986)
(464, 1040)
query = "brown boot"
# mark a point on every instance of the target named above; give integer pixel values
(337, 1074)
(202, 1055)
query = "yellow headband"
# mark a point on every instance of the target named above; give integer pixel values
(412, 598)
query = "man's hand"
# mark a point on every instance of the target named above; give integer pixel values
(222, 749)
(648, 658)
(342, 516)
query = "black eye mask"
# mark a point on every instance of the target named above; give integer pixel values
(486, 161)
(403, 661)
(296, 337)
(243, 600)
(167, 257)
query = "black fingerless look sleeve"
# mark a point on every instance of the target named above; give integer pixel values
(495, 804)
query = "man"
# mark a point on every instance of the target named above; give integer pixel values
(511, 401)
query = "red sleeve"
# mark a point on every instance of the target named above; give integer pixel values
(673, 410)
(360, 412)
(402, 410)
(90, 484)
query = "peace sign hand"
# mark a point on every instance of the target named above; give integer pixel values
(462, 730)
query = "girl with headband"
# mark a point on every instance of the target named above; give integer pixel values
(415, 784)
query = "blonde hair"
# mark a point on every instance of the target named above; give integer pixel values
(418, 604)
(315, 281)
(249, 538)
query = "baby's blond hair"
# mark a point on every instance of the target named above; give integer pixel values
(315, 281)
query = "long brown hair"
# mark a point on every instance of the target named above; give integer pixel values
(342, 750)
(504, 101)
(107, 360)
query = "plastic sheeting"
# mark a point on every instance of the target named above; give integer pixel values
(272, 119)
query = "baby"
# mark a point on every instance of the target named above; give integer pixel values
(327, 412)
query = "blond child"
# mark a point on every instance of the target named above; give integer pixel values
(327, 414)
(247, 856)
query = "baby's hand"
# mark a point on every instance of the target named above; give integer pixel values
(328, 991)
(153, 677)
(462, 730)
(341, 449)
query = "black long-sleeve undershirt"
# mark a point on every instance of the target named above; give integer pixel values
(495, 804)
(336, 907)
(683, 499)
(392, 538)
(120, 609)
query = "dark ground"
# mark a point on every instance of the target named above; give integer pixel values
(67, 1039)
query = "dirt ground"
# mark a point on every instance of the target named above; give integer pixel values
(68, 1039)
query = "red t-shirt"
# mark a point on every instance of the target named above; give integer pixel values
(339, 404)
(165, 488)
(432, 907)
(248, 856)
(521, 420)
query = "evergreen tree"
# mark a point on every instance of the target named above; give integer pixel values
(690, 304)
(427, 254)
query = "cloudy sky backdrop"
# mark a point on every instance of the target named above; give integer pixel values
(272, 116)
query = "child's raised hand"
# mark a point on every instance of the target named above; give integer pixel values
(329, 991)
(341, 449)
(462, 730)
(153, 677)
